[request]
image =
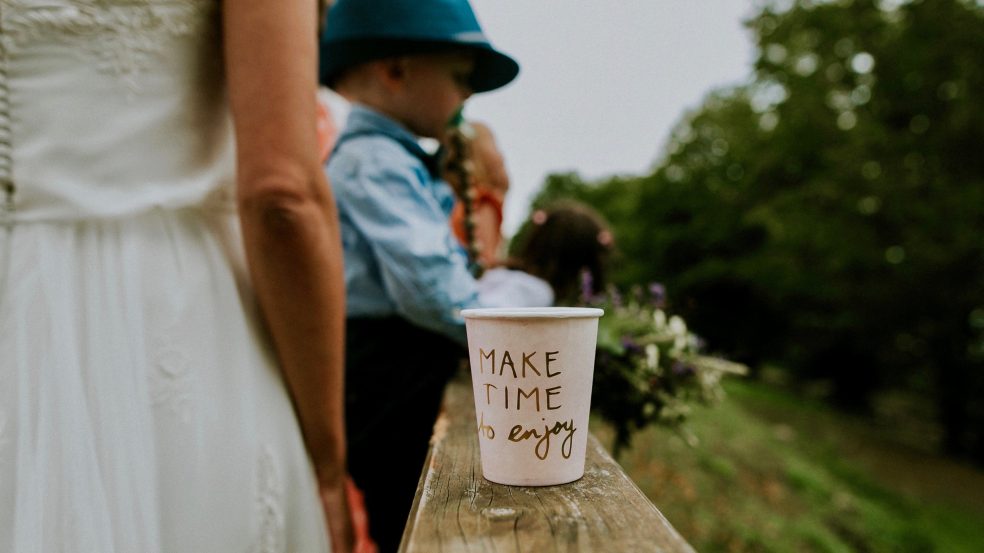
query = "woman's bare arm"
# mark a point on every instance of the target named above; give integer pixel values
(289, 223)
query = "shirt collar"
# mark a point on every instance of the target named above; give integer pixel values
(365, 120)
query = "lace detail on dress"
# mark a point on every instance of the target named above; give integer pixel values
(171, 380)
(124, 37)
(270, 504)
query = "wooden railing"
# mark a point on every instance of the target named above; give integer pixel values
(456, 510)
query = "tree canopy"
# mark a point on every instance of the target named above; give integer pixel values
(828, 217)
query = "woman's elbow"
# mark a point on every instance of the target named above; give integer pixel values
(286, 206)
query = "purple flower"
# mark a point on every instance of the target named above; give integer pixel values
(615, 296)
(657, 293)
(587, 287)
(682, 369)
(630, 346)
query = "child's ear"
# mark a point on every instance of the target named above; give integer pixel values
(393, 70)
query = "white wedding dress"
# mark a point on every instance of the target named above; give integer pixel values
(140, 407)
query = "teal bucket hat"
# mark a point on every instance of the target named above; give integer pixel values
(360, 31)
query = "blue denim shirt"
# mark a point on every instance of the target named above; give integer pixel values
(400, 256)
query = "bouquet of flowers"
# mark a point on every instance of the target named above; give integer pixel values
(649, 367)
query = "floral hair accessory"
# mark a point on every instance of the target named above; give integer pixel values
(539, 217)
(605, 238)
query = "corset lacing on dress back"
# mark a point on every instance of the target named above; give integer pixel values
(6, 180)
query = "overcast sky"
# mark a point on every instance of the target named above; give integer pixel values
(603, 82)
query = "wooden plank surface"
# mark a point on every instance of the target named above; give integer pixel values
(456, 510)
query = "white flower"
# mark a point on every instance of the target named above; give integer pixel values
(680, 343)
(677, 326)
(659, 318)
(652, 356)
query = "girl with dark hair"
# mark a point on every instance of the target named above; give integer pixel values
(556, 247)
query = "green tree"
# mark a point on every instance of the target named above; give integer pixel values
(829, 216)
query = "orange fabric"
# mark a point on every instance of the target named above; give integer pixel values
(360, 519)
(483, 197)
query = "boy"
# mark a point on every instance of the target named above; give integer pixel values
(407, 66)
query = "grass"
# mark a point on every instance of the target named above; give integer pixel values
(776, 473)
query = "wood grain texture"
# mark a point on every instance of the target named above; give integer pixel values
(456, 510)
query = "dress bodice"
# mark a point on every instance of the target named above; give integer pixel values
(111, 107)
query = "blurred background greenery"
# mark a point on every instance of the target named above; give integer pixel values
(825, 225)
(777, 473)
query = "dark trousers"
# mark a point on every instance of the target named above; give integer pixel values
(395, 378)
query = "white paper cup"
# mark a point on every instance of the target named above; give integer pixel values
(531, 373)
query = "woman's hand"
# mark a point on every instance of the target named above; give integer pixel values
(338, 517)
(346, 518)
